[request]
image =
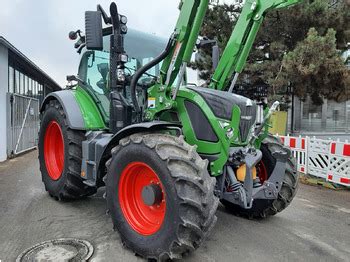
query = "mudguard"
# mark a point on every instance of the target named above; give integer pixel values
(138, 128)
(70, 106)
(98, 146)
(143, 127)
(80, 109)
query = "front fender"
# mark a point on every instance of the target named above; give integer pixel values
(80, 110)
(143, 127)
(153, 126)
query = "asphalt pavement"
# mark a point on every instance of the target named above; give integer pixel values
(315, 227)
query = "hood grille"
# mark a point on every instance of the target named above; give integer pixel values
(248, 117)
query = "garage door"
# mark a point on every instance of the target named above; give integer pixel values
(22, 123)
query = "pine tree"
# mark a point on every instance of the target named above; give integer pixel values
(286, 34)
(316, 65)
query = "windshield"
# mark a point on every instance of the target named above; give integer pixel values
(94, 66)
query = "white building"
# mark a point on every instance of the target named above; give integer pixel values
(23, 87)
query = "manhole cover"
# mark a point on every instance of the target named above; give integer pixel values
(64, 249)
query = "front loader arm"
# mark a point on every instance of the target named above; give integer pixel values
(174, 59)
(178, 55)
(241, 41)
(192, 13)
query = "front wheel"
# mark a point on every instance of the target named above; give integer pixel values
(263, 208)
(160, 195)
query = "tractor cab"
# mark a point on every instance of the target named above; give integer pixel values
(94, 67)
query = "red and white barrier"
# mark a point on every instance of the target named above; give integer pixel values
(298, 147)
(339, 163)
(321, 158)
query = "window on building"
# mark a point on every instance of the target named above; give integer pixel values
(21, 83)
(40, 91)
(11, 80)
(329, 117)
(25, 84)
(312, 116)
(35, 89)
(17, 82)
(30, 87)
(336, 116)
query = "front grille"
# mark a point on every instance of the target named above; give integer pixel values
(248, 116)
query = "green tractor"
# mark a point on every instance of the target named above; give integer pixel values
(166, 151)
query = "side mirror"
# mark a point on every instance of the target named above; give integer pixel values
(215, 56)
(93, 30)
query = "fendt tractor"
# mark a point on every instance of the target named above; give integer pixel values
(167, 151)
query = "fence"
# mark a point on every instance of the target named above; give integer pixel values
(321, 158)
(22, 123)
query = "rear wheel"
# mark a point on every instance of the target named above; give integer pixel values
(263, 208)
(160, 195)
(60, 155)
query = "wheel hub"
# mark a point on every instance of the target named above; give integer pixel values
(152, 195)
(142, 198)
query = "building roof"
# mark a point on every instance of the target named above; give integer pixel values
(22, 57)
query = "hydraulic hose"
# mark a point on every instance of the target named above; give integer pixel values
(143, 70)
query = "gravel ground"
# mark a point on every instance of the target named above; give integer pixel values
(315, 227)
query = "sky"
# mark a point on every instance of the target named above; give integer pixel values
(39, 28)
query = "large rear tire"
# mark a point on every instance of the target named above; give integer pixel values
(265, 208)
(184, 213)
(60, 155)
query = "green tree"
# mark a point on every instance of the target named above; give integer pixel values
(282, 31)
(315, 65)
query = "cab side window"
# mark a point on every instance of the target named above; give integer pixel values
(97, 71)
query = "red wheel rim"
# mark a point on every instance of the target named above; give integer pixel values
(144, 219)
(262, 172)
(54, 150)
